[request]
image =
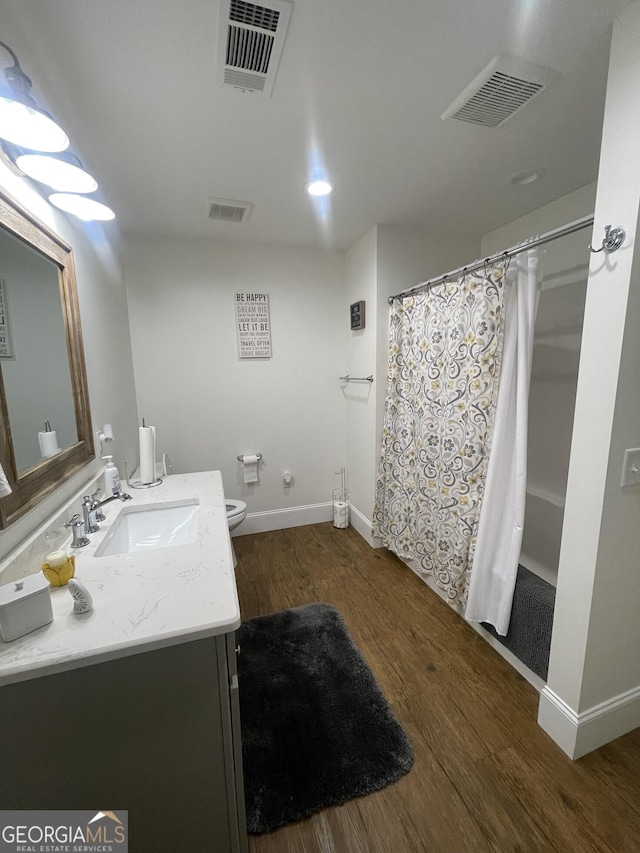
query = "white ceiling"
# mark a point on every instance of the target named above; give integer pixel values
(360, 90)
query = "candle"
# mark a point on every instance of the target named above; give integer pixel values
(57, 559)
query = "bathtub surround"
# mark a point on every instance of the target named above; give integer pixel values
(311, 710)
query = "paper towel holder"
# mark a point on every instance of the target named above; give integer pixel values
(258, 456)
(137, 484)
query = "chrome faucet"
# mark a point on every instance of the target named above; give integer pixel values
(120, 496)
(95, 497)
(90, 513)
(77, 528)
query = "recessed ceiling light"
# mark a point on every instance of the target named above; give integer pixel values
(56, 173)
(81, 206)
(520, 179)
(318, 188)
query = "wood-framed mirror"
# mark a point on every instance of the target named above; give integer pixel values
(45, 420)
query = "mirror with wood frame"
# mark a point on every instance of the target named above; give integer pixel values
(45, 421)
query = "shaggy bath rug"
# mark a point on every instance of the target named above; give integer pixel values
(316, 728)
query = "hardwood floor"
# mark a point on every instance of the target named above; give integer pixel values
(486, 777)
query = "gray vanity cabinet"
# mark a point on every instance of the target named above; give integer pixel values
(155, 733)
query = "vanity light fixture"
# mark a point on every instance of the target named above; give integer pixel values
(84, 208)
(22, 122)
(30, 139)
(319, 188)
(58, 173)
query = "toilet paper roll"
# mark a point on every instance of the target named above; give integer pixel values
(147, 454)
(340, 514)
(250, 464)
(48, 444)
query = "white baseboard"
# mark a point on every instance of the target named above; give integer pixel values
(279, 519)
(362, 524)
(296, 516)
(578, 734)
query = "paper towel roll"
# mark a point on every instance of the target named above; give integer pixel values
(48, 443)
(340, 514)
(147, 454)
(250, 464)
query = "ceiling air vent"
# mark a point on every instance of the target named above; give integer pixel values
(501, 89)
(227, 210)
(250, 42)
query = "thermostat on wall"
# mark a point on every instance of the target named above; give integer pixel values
(357, 315)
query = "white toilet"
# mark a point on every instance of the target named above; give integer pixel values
(236, 514)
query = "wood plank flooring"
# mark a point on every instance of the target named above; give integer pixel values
(486, 777)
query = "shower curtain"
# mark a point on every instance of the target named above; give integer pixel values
(442, 386)
(496, 550)
(455, 434)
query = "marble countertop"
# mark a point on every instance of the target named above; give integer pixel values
(142, 601)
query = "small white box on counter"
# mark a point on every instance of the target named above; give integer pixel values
(24, 606)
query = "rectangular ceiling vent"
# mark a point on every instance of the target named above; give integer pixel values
(501, 90)
(227, 210)
(250, 42)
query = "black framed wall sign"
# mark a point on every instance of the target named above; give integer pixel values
(357, 315)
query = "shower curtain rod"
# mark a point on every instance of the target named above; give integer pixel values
(570, 228)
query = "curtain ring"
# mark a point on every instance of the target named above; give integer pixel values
(464, 274)
(486, 271)
(507, 258)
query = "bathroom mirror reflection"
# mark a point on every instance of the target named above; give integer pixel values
(45, 426)
(35, 360)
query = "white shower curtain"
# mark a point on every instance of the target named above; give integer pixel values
(495, 553)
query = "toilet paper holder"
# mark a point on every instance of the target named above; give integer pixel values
(241, 457)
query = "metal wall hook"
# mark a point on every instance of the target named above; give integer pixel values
(613, 239)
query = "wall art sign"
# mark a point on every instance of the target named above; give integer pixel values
(356, 312)
(253, 325)
(6, 347)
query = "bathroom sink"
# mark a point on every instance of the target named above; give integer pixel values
(145, 528)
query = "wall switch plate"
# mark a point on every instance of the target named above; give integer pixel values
(631, 477)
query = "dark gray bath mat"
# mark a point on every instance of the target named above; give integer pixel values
(529, 634)
(316, 728)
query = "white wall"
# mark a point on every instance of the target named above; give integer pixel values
(386, 260)
(360, 397)
(593, 691)
(208, 405)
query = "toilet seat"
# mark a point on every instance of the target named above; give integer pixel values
(234, 508)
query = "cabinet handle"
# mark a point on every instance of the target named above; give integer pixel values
(237, 651)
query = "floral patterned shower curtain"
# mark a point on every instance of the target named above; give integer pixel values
(444, 363)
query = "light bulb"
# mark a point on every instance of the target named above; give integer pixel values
(82, 207)
(30, 128)
(55, 173)
(319, 188)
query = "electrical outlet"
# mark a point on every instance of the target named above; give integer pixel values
(631, 468)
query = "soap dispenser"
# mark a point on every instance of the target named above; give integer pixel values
(111, 477)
